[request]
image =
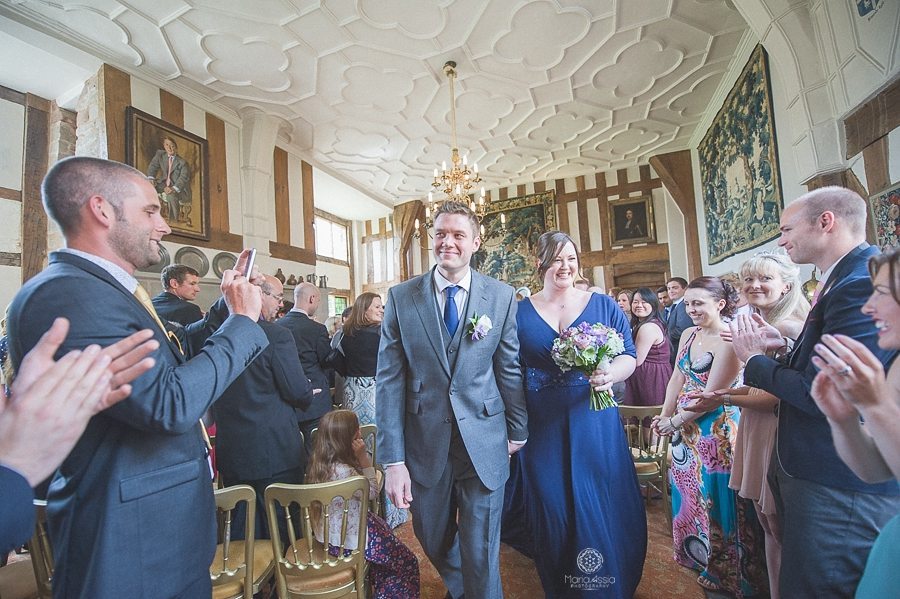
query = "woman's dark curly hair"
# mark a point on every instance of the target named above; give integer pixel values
(720, 290)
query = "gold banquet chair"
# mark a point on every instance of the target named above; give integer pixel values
(42, 552)
(31, 579)
(239, 567)
(305, 569)
(649, 451)
(369, 434)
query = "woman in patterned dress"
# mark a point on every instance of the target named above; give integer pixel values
(338, 453)
(771, 284)
(714, 531)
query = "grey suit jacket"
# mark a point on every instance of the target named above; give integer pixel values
(181, 174)
(420, 395)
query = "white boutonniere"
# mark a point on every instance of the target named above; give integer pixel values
(479, 326)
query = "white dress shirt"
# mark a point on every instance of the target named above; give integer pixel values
(441, 283)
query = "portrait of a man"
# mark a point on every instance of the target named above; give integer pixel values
(631, 221)
(175, 162)
(171, 175)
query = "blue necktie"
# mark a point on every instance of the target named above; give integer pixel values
(451, 314)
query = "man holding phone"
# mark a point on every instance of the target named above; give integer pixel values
(138, 478)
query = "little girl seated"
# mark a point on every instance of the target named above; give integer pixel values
(339, 452)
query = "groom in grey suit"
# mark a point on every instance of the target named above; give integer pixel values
(451, 406)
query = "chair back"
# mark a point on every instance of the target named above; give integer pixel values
(649, 450)
(42, 552)
(306, 568)
(369, 432)
(232, 573)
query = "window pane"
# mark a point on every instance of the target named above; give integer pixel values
(340, 242)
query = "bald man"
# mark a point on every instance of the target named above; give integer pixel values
(257, 442)
(313, 347)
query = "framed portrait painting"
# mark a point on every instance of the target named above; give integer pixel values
(175, 161)
(884, 209)
(631, 221)
(511, 231)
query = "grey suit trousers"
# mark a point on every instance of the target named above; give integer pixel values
(460, 547)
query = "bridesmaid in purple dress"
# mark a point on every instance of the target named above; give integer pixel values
(647, 386)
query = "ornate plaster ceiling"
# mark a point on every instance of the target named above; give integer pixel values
(546, 89)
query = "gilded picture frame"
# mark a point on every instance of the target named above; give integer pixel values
(631, 221)
(182, 182)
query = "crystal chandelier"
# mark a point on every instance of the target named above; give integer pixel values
(460, 180)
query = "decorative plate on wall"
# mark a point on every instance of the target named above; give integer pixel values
(222, 262)
(190, 256)
(164, 260)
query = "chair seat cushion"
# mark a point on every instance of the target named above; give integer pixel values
(263, 564)
(314, 580)
(646, 468)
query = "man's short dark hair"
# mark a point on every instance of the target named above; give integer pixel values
(661, 290)
(679, 280)
(451, 207)
(71, 182)
(177, 272)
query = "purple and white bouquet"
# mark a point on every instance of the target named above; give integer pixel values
(584, 347)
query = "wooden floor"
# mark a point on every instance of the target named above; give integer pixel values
(662, 576)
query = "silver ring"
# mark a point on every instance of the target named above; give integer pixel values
(845, 371)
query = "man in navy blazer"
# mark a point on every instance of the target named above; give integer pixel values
(677, 319)
(131, 510)
(181, 284)
(830, 517)
(313, 347)
(257, 440)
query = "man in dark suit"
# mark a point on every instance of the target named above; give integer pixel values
(181, 284)
(72, 389)
(313, 347)
(821, 502)
(677, 320)
(171, 177)
(131, 510)
(257, 441)
(662, 294)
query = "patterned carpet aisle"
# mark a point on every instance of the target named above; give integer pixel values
(662, 576)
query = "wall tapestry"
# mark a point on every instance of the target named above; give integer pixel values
(180, 181)
(739, 170)
(507, 250)
(884, 207)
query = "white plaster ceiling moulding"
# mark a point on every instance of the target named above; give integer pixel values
(546, 89)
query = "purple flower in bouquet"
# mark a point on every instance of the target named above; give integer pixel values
(585, 347)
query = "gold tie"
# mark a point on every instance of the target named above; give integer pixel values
(142, 296)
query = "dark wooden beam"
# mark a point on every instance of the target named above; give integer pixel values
(10, 194)
(874, 119)
(171, 108)
(116, 93)
(282, 197)
(675, 171)
(10, 259)
(294, 254)
(309, 207)
(34, 219)
(218, 177)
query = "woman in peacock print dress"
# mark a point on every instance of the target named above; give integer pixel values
(714, 531)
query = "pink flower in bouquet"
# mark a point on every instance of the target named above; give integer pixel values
(585, 347)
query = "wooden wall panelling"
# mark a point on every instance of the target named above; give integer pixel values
(10, 259)
(282, 196)
(504, 193)
(584, 228)
(309, 231)
(171, 108)
(10, 194)
(675, 171)
(116, 90)
(562, 207)
(34, 219)
(11, 95)
(875, 157)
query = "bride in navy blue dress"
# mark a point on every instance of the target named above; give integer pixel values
(573, 502)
